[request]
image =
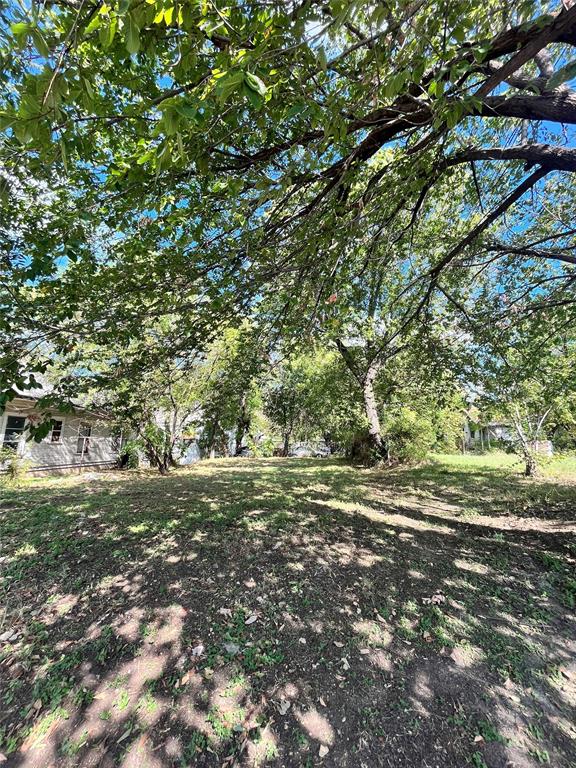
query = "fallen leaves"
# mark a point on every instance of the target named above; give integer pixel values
(251, 619)
(283, 706)
(231, 648)
(436, 599)
(185, 679)
(323, 751)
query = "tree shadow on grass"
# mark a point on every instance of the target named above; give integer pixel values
(383, 635)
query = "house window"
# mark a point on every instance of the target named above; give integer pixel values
(83, 444)
(56, 434)
(14, 429)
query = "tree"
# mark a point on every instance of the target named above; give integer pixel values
(531, 384)
(285, 400)
(249, 160)
(156, 405)
(182, 132)
(228, 388)
(153, 103)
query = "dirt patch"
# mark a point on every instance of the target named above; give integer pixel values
(299, 613)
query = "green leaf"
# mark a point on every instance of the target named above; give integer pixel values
(132, 31)
(106, 33)
(40, 42)
(64, 155)
(254, 83)
(170, 120)
(254, 98)
(562, 75)
(186, 110)
(295, 109)
(88, 87)
(21, 30)
(94, 24)
(229, 82)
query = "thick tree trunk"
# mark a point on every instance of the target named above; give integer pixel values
(366, 381)
(531, 465)
(371, 409)
(286, 447)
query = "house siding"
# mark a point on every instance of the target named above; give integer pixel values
(63, 455)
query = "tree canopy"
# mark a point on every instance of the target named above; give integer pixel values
(374, 175)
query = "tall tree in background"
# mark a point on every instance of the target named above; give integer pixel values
(530, 383)
(228, 387)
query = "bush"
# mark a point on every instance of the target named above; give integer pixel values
(448, 425)
(15, 467)
(130, 456)
(410, 435)
(260, 448)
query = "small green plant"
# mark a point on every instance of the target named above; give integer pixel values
(568, 596)
(535, 731)
(540, 755)
(70, 747)
(271, 751)
(147, 702)
(8, 744)
(83, 697)
(410, 434)
(197, 743)
(552, 562)
(123, 699)
(220, 725)
(478, 760)
(489, 732)
(301, 739)
(130, 456)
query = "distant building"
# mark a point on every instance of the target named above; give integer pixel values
(495, 433)
(76, 440)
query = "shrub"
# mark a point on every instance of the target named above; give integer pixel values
(130, 456)
(15, 467)
(410, 435)
(261, 448)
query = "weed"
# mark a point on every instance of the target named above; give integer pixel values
(540, 755)
(535, 731)
(196, 744)
(123, 699)
(478, 760)
(489, 732)
(70, 747)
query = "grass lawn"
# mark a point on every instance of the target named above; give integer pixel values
(290, 613)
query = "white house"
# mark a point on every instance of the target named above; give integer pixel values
(497, 431)
(76, 440)
(494, 433)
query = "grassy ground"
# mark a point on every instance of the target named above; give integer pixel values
(290, 613)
